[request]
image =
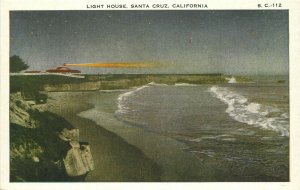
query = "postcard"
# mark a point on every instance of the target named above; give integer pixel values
(169, 94)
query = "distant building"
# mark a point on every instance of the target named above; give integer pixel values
(62, 69)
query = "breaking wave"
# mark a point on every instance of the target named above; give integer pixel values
(231, 80)
(122, 108)
(185, 84)
(116, 90)
(251, 113)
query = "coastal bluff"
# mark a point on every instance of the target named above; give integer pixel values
(125, 81)
(44, 146)
(54, 83)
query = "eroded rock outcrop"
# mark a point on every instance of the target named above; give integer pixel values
(41, 142)
(78, 160)
(19, 111)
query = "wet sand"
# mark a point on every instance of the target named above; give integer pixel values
(115, 159)
(176, 162)
(124, 153)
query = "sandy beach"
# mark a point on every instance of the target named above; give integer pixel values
(115, 159)
(123, 153)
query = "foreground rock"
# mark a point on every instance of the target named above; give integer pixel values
(44, 146)
(79, 160)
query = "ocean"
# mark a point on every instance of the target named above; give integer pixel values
(226, 132)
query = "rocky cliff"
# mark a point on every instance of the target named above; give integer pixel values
(39, 144)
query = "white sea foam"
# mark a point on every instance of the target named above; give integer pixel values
(231, 80)
(122, 108)
(210, 137)
(251, 113)
(209, 153)
(156, 84)
(184, 84)
(285, 115)
(116, 90)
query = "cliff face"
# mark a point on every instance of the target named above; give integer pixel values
(19, 112)
(39, 142)
(84, 86)
(127, 81)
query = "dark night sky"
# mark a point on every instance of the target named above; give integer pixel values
(232, 42)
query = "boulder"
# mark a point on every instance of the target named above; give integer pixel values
(78, 160)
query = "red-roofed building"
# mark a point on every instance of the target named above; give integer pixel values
(62, 69)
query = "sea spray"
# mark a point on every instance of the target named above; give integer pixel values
(231, 80)
(251, 113)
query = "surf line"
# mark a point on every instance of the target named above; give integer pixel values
(122, 108)
(254, 114)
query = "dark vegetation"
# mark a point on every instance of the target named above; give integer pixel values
(33, 83)
(16, 64)
(42, 142)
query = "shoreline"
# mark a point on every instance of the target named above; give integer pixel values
(127, 154)
(115, 160)
(171, 155)
(175, 157)
(168, 159)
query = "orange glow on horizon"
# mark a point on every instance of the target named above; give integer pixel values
(114, 65)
